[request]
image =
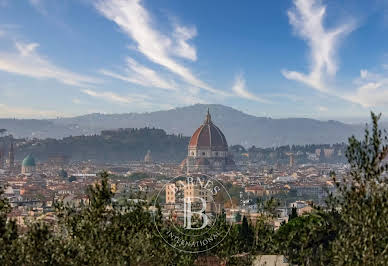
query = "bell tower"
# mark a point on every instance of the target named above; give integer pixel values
(11, 156)
(1, 158)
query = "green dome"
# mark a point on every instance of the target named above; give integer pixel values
(28, 161)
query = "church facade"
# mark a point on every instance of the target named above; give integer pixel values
(208, 150)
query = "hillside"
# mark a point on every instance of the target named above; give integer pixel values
(121, 145)
(238, 127)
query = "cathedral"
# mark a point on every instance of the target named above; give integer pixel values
(208, 150)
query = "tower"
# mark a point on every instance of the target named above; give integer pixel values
(292, 160)
(148, 157)
(11, 156)
(1, 158)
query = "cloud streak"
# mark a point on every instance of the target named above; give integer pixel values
(307, 19)
(27, 62)
(141, 75)
(114, 97)
(135, 21)
(240, 90)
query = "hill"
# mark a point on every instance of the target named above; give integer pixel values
(238, 127)
(120, 145)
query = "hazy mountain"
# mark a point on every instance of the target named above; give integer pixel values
(238, 127)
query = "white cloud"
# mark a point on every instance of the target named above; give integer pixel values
(26, 49)
(24, 112)
(113, 97)
(370, 95)
(239, 89)
(135, 100)
(307, 19)
(27, 62)
(144, 76)
(288, 96)
(363, 73)
(372, 89)
(76, 101)
(134, 20)
(323, 109)
(183, 48)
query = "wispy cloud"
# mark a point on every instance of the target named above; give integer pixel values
(39, 6)
(372, 89)
(76, 101)
(114, 97)
(322, 109)
(135, 100)
(240, 90)
(141, 75)
(307, 19)
(27, 61)
(134, 20)
(183, 48)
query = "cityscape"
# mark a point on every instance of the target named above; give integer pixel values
(153, 163)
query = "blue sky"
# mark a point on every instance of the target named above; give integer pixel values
(289, 58)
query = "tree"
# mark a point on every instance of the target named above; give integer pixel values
(8, 233)
(362, 199)
(238, 217)
(246, 235)
(293, 214)
(353, 229)
(307, 239)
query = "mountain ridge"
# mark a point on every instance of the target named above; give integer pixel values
(238, 127)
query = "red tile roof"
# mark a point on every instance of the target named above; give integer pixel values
(208, 136)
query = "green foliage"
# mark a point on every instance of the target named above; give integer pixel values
(120, 145)
(363, 236)
(8, 231)
(246, 235)
(238, 217)
(300, 152)
(293, 214)
(105, 232)
(351, 230)
(264, 236)
(306, 240)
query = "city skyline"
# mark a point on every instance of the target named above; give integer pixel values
(319, 59)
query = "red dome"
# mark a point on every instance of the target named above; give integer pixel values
(208, 136)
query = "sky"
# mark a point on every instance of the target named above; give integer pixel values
(324, 59)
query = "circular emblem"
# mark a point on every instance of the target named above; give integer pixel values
(192, 213)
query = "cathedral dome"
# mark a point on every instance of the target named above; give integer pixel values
(208, 136)
(28, 161)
